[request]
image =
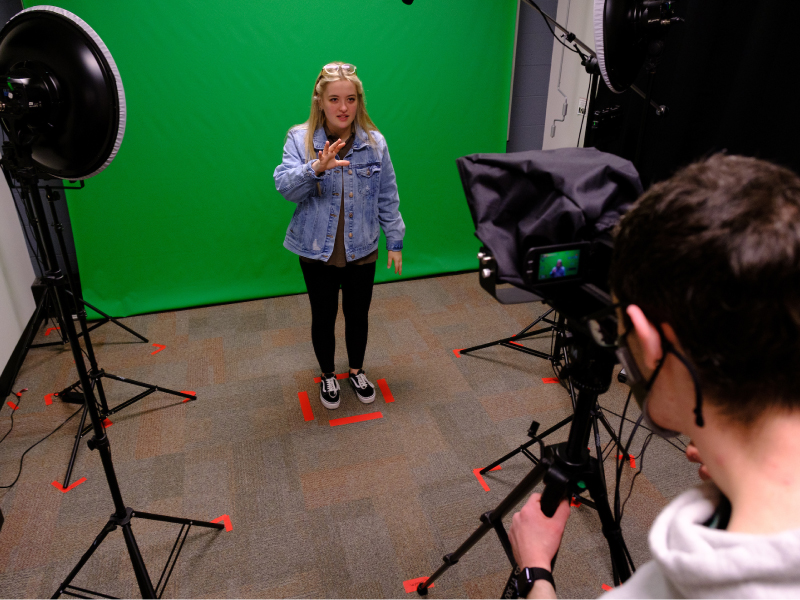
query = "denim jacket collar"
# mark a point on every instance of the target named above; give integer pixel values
(320, 138)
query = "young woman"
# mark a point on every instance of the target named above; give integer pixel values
(336, 168)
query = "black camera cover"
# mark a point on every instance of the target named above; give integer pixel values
(522, 200)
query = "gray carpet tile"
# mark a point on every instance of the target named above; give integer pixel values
(347, 511)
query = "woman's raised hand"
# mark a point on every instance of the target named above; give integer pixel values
(327, 158)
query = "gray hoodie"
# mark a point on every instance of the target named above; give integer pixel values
(691, 560)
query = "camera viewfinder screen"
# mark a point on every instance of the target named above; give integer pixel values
(559, 264)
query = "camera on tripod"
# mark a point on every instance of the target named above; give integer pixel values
(572, 278)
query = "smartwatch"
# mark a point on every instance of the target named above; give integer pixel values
(528, 576)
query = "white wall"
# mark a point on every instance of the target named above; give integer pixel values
(16, 277)
(574, 78)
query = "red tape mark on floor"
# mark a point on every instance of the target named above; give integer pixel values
(607, 588)
(48, 399)
(458, 354)
(189, 392)
(574, 503)
(477, 473)
(19, 393)
(305, 406)
(411, 585)
(633, 460)
(339, 376)
(356, 419)
(12, 405)
(64, 490)
(549, 379)
(51, 329)
(516, 344)
(159, 348)
(107, 423)
(225, 520)
(387, 394)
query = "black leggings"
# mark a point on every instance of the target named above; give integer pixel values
(323, 283)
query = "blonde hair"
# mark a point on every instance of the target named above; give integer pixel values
(317, 117)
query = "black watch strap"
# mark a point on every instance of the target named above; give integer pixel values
(530, 575)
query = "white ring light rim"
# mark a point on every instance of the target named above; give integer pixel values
(598, 14)
(117, 78)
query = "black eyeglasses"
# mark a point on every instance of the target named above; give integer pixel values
(603, 325)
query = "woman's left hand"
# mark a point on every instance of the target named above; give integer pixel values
(397, 257)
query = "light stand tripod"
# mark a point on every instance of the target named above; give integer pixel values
(122, 515)
(29, 190)
(45, 305)
(566, 470)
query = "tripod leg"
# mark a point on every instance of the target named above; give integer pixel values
(112, 319)
(110, 526)
(611, 529)
(78, 437)
(517, 494)
(598, 448)
(611, 432)
(514, 337)
(178, 520)
(142, 578)
(30, 335)
(154, 388)
(523, 448)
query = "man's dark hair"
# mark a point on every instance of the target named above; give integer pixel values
(715, 252)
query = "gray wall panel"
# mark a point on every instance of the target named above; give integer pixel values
(531, 78)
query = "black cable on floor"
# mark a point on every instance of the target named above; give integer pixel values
(32, 447)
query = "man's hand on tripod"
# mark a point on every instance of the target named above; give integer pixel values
(535, 539)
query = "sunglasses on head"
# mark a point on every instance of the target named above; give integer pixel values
(334, 69)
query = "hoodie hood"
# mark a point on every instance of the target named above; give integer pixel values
(691, 560)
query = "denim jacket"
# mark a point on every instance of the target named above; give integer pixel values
(371, 201)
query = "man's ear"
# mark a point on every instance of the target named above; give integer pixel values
(648, 336)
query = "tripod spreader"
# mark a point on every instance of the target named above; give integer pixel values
(565, 469)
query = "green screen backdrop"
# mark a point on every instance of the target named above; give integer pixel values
(187, 213)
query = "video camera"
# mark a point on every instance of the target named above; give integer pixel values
(545, 219)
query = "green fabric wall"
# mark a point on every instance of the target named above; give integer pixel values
(187, 214)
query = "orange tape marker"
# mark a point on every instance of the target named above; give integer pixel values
(305, 406)
(458, 354)
(225, 520)
(517, 344)
(356, 419)
(64, 490)
(387, 394)
(12, 405)
(339, 376)
(107, 423)
(633, 460)
(607, 588)
(19, 393)
(549, 379)
(189, 392)
(159, 348)
(481, 480)
(48, 399)
(51, 329)
(411, 585)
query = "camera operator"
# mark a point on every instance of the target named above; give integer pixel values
(706, 274)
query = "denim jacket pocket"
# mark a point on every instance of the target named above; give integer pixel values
(368, 177)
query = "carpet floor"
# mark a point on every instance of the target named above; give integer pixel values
(318, 508)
